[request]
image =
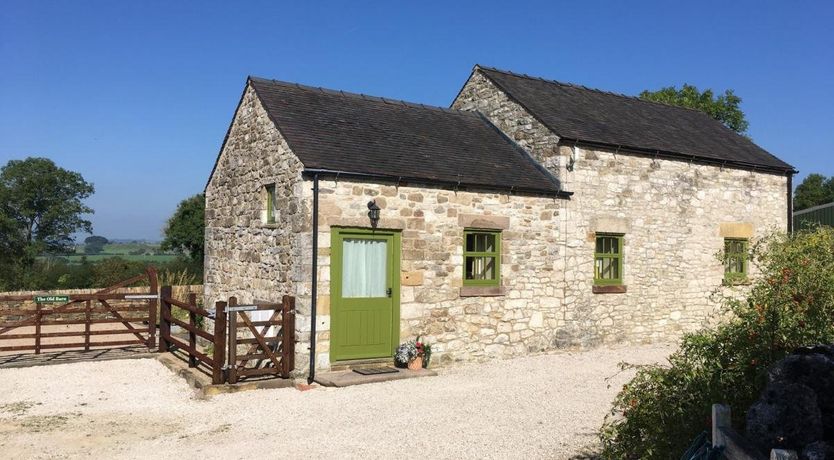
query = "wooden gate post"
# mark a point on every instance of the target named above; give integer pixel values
(38, 307)
(233, 341)
(287, 335)
(219, 355)
(153, 281)
(164, 313)
(192, 337)
(87, 318)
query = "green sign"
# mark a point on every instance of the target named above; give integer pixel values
(51, 298)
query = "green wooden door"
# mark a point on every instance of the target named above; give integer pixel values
(364, 294)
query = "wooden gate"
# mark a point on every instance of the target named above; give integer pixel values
(100, 319)
(270, 350)
(197, 356)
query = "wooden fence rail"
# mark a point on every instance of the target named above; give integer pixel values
(196, 316)
(255, 347)
(136, 312)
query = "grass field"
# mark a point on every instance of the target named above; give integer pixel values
(134, 251)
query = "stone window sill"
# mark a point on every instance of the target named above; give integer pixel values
(482, 291)
(271, 225)
(610, 289)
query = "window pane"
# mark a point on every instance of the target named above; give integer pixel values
(489, 243)
(480, 268)
(480, 242)
(608, 245)
(470, 242)
(270, 203)
(604, 268)
(364, 268)
(489, 268)
(470, 267)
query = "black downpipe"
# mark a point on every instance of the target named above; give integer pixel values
(314, 289)
(790, 202)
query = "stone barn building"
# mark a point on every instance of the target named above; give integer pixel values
(529, 216)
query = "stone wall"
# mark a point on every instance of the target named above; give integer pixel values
(674, 215)
(245, 256)
(671, 214)
(179, 292)
(431, 221)
(480, 94)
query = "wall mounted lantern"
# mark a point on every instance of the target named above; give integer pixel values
(373, 213)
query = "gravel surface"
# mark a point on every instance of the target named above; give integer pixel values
(546, 406)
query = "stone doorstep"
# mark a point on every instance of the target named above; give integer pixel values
(202, 382)
(360, 364)
(341, 379)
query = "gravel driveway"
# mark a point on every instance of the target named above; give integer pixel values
(545, 406)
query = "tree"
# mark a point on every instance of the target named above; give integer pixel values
(724, 108)
(184, 232)
(41, 206)
(112, 270)
(94, 244)
(815, 190)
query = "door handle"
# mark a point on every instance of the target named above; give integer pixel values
(388, 292)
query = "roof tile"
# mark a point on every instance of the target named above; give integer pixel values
(335, 130)
(578, 113)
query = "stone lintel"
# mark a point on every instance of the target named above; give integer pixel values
(482, 291)
(360, 222)
(610, 225)
(736, 229)
(482, 221)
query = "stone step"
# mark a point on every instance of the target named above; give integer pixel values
(349, 378)
(360, 364)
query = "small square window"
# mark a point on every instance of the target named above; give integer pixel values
(608, 259)
(269, 204)
(735, 260)
(481, 258)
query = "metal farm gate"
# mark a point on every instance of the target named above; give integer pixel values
(818, 215)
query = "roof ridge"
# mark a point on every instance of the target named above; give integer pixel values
(348, 94)
(578, 86)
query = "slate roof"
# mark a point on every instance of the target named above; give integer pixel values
(339, 131)
(577, 113)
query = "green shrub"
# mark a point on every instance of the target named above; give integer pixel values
(790, 304)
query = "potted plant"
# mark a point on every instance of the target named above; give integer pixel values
(414, 354)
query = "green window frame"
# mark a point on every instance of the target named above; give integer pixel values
(481, 257)
(270, 203)
(608, 259)
(735, 260)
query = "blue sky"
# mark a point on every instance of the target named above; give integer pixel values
(137, 96)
